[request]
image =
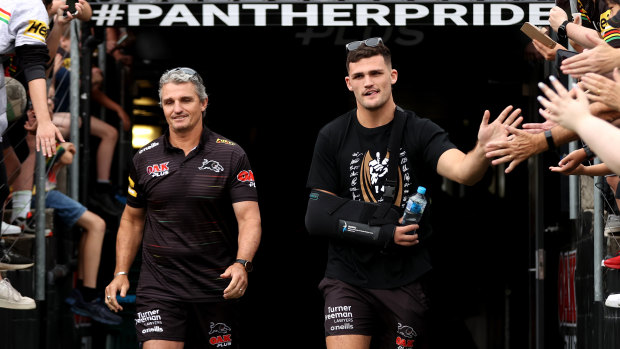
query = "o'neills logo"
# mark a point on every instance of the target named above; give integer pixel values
(158, 170)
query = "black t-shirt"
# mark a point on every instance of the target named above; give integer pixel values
(190, 233)
(350, 161)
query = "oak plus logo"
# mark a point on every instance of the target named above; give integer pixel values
(211, 165)
(247, 177)
(158, 170)
(222, 337)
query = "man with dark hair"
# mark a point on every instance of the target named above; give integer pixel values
(373, 286)
(184, 188)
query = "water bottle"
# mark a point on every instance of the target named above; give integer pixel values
(415, 207)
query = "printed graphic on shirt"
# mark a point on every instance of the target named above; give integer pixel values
(405, 336)
(211, 165)
(224, 141)
(221, 335)
(158, 170)
(247, 177)
(608, 32)
(148, 147)
(340, 318)
(150, 321)
(367, 176)
(36, 30)
(5, 16)
(130, 190)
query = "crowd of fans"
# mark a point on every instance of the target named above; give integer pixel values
(589, 111)
(35, 91)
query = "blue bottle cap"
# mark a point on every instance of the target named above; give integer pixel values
(421, 190)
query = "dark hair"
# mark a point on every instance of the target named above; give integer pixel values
(367, 51)
(47, 3)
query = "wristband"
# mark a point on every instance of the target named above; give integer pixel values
(549, 139)
(121, 273)
(589, 154)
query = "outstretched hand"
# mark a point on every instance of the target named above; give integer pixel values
(571, 163)
(603, 89)
(561, 107)
(601, 59)
(538, 127)
(515, 148)
(497, 129)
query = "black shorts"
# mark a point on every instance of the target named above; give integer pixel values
(395, 318)
(198, 325)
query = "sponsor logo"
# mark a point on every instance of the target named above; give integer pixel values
(223, 338)
(225, 141)
(158, 170)
(353, 229)
(247, 176)
(340, 317)
(153, 329)
(219, 327)
(404, 343)
(150, 146)
(151, 320)
(314, 196)
(211, 165)
(346, 326)
(36, 30)
(221, 341)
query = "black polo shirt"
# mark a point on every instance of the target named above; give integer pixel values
(190, 232)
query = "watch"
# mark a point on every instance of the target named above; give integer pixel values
(246, 264)
(549, 138)
(562, 30)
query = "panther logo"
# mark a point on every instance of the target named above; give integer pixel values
(406, 331)
(219, 327)
(211, 165)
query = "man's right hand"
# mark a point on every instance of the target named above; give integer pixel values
(120, 283)
(402, 238)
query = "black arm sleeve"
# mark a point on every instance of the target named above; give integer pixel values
(33, 60)
(336, 217)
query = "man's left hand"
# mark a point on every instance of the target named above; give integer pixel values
(238, 281)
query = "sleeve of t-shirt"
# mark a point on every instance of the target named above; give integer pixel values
(434, 140)
(586, 12)
(323, 170)
(135, 193)
(29, 23)
(243, 184)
